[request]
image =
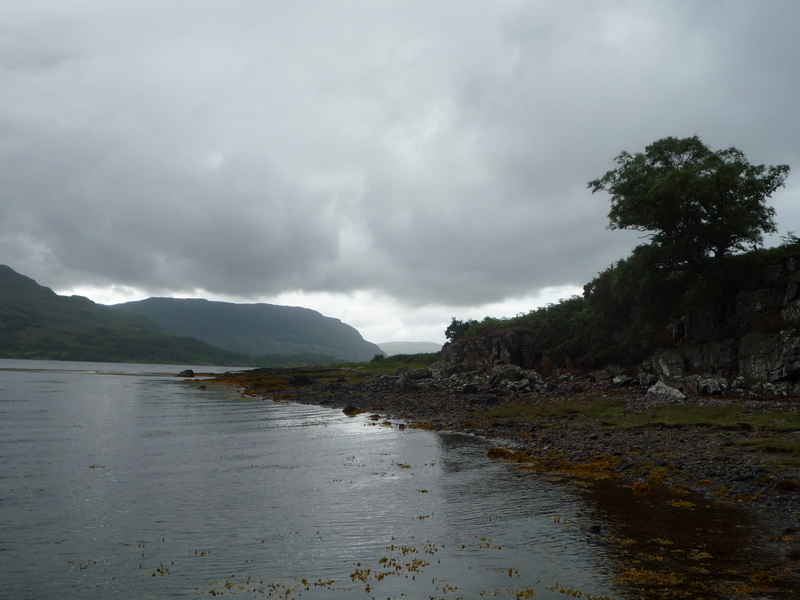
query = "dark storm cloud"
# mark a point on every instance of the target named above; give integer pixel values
(432, 152)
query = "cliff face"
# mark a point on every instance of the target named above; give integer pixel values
(763, 343)
(483, 354)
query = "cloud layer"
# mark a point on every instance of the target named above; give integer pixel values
(409, 153)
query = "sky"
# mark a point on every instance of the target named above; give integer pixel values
(391, 163)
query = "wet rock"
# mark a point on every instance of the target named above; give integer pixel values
(351, 410)
(591, 528)
(302, 380)
(186, 373)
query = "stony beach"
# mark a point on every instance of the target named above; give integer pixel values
(734, 459)
(742, 461)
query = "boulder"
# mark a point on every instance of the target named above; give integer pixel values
(661, 391)
(502, 373)
(708, 385)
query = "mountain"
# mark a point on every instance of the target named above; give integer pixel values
(255, 329)
(392, 348)
(35, 322)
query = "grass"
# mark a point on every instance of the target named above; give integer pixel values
(581, 408)
(611, 412)
(772, 444)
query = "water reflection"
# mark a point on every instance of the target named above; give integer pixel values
(128, 486)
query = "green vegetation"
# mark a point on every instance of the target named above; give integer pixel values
(701, 211)
(257, 329)
(36, 323)
(414, 361)
(693, 203)
(611, 412)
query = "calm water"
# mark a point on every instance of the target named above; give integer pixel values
(122, 481)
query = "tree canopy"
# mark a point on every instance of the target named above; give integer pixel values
(694, 203)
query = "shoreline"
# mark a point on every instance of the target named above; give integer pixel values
(701, 458)
(721, 464)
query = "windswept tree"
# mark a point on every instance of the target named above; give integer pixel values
(696, 205)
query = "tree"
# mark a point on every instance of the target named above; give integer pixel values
(695, 204)
(457, 328)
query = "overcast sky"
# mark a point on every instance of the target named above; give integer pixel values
(389, 163)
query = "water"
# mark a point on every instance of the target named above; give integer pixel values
(122, 481)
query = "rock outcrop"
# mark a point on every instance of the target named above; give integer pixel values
(483, 354)
(763, 344)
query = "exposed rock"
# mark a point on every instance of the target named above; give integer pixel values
(670, 363)
(502, 373)
(755, 347)
(662, 391)
(621, 380)
(713, 357)
(532, 376)
(770, 356)
(482, 354)
(708, 385)
(186, 373)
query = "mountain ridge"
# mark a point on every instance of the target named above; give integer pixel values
(37, 323)
(255, 329)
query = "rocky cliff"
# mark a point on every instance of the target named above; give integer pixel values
(760, 340)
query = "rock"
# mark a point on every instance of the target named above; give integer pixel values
(302, 380)
(661, 391)
(669, 362)
(708, 385)
(351, 410)
(502, 373)
(516, 386)
(533, 377)
(591, 528)
(646, 379)
(482, 354)
(770, 356)
(713, 357)
(186, 373)
(469, 388)
(621, 380)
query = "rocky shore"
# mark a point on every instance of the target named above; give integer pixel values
(732, 449)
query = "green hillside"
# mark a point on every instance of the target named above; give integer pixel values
(35, 322)
(263, 330)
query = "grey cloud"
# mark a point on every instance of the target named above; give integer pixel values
(438, 153)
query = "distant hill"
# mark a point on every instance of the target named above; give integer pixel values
(35, 322)
(255, 329)
(392, 348)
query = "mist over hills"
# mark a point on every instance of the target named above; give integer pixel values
(392, 348)
(255, 329)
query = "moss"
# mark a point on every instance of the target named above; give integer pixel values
(787, 485)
